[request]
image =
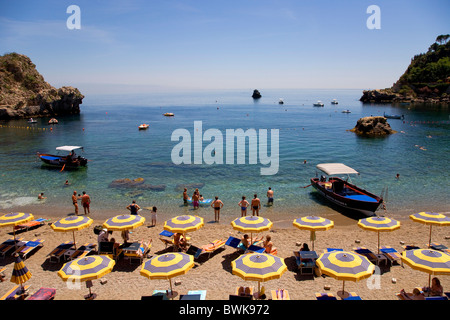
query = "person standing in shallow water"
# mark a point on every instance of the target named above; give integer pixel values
(256, 205)
(86, 202)
(133, 207)
(75, 202)
(217, 205)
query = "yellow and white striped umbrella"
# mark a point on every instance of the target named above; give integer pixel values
(379, 224)
(345, 266)
(72, 223)
(431, 218)
(124, 222)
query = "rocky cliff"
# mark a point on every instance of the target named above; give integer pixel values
(372, 126)
(24, 92)
(427, 78)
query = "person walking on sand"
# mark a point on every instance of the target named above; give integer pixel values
(217, 205)
(86, 202)
(133, 207)
(270, 197)
(256, 205)
(75, 202)
(153, 216)
(244, 205)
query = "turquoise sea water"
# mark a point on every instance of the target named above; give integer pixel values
(107, 128)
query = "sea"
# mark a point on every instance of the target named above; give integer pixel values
(107, 129)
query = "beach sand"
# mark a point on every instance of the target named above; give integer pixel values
(214, 274)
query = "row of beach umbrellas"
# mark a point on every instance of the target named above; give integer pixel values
(259, 267)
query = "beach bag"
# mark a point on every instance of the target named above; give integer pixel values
(97, 229)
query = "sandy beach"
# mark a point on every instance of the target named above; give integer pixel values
(214, 274)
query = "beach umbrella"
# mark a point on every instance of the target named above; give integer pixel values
(430, 261)
(379, 224)
(345, 266)
(167, 266)
(124, 222)
(72, 223)
(183, 224)
(86, 269)
(20, 273)
(13, 219)
(313, 224)
(431, 218)
(259, 267)
(251, 224)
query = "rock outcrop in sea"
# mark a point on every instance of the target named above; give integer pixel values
(372, 126)
(256, 94)
(24, 93)
(137, 183)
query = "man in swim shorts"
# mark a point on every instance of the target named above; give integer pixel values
(86, 202)
(217, 205)
(133, 207)
(75, 202)
(256, 205)
(185, 197)
(270, 197)
(243, 204)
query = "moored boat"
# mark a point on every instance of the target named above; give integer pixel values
(31, 120)
(343, 193)
(318, 104)
(346, 111)
(65, 161)
(168, 114)
(144, 126)
(334, 101)
(52, 121)
(393, 116)
(280, 101)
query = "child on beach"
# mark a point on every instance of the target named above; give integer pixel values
(153, 216)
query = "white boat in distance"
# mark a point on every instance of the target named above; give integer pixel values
(334, 101)
(318, 104)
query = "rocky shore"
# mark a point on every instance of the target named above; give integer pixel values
(24, 93)
(425, 95)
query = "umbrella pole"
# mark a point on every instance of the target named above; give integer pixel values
(171, 291)
(378, 242)
(74, 243)
(429, 241)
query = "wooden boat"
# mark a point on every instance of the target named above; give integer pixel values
(64, 161)
(343, 193)
(393, 116)
(144, 126)
(52, 121)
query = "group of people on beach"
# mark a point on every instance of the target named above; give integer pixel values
(85, 202)
(217, 204)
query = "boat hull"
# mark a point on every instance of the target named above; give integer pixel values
(347, 195)
(61, 161)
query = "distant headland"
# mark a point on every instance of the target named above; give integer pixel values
(24, 92)
(426, 80)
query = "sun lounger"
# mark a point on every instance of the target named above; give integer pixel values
(9, 245)
(410, 247)
(391, 254)
(28, 247)
(334, 249)
(81, 252)
(233, 242)
(43, 294)
(253, 248)
(31, 224)
(352, 296)
(58, 252)
(306, 265)
(137, 250)
(325, 296)
(366, 253)
(16, 293)
(166, 237)
(280, 294)
(439, 247)
(201, 293)
(207, 248)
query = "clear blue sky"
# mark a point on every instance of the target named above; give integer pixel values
(128, 46)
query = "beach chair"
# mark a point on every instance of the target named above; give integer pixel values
(28, 247)
(9, 245)
(233, 242)
(253, 248)
(209, 248)
(57, 253)
(305, 266)
(31, 224)
(280, 294)
(82, 251)
(16, 293)
(366, 253)
(201, 293)
(325, 296)
(43, 294)
(391, 254)
(137, 250)
(166, 237)
(439, 247)
(352, 296)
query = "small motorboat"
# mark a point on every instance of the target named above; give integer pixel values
(52, 121)
(343, 193)
(334, 101)
(144, 126)
(393, 116)
(168, 114)
(346, 111)
(280, 101)
(318, 104)
(67, 161)
(31, 120)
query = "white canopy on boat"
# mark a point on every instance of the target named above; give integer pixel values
(68, 148)
(336, 168)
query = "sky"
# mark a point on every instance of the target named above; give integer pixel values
(145, 46)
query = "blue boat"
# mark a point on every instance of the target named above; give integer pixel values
(393, 116)
(67, 161)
